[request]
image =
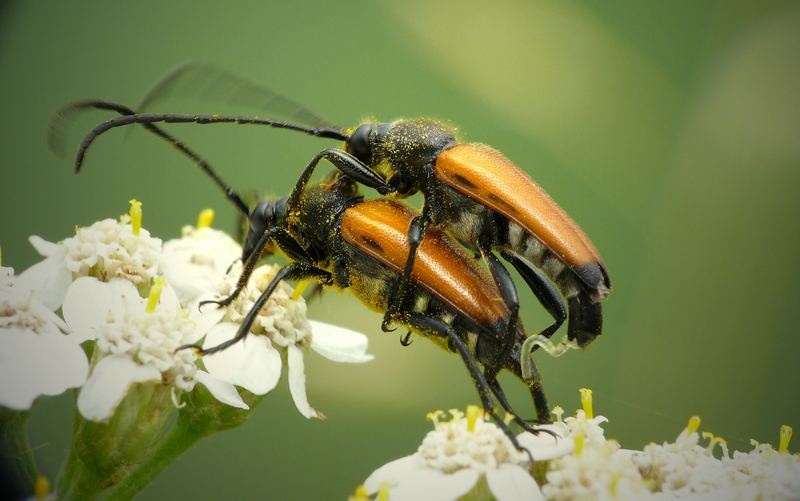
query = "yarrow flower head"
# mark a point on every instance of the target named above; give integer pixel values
(686, 468)
(453, 458)
(136, 341)
(37, 355)
(281, 326)
(105, 250)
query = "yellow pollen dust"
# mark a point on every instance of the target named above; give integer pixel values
(41, 487)
(508, 418)
(586, 402)
(693, 425)
(785, 437)
(473, 413)
(580, 441)
(206, 218)
(136, 215)
(155, 294)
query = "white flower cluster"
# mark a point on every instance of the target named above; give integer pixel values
(453, 458)
(109, 249)
(579, 463)
(597, 472)
(97, 277)
(281, 326)
(453, 446)
(685, 469)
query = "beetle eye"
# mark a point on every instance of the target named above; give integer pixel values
(358, 143)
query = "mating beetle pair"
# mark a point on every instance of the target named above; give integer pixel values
(390, 257)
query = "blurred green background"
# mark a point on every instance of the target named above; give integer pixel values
(669, 130)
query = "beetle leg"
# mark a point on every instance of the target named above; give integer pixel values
(508, 292)
(542, 288)
(525, 425)
(431, 324)
(406, 340)
(416, 231)
(292, 248)
(247, 271)
(292, 271)
(348, 165)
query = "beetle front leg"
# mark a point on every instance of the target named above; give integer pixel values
(346, 164)
(292, 271)
(247, 271)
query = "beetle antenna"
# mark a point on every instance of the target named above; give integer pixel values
(151, 118)
(54, 141)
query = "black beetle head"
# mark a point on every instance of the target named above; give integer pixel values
(358, 144)
(267, 215)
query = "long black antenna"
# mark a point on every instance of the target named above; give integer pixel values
(150, 118)
(55, 125)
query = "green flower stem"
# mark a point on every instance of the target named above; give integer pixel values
(105, 454)
(14, 444)
(176, 443)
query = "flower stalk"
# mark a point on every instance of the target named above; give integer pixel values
(14, 446)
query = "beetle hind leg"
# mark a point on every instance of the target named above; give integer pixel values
(485, 391)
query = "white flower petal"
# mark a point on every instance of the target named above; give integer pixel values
(109, 383)
(33, 365)
(544, 446)
(129, 294)
(433, 485)
(297, 382)
(511, 483)
(42, 246)
(47, 280)
(392, 472)
(169, 299)
(339, 344)
(204, 318)
(224, 392)
(87, 305)
(252, 364)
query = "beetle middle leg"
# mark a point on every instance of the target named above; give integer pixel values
(401, 290)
